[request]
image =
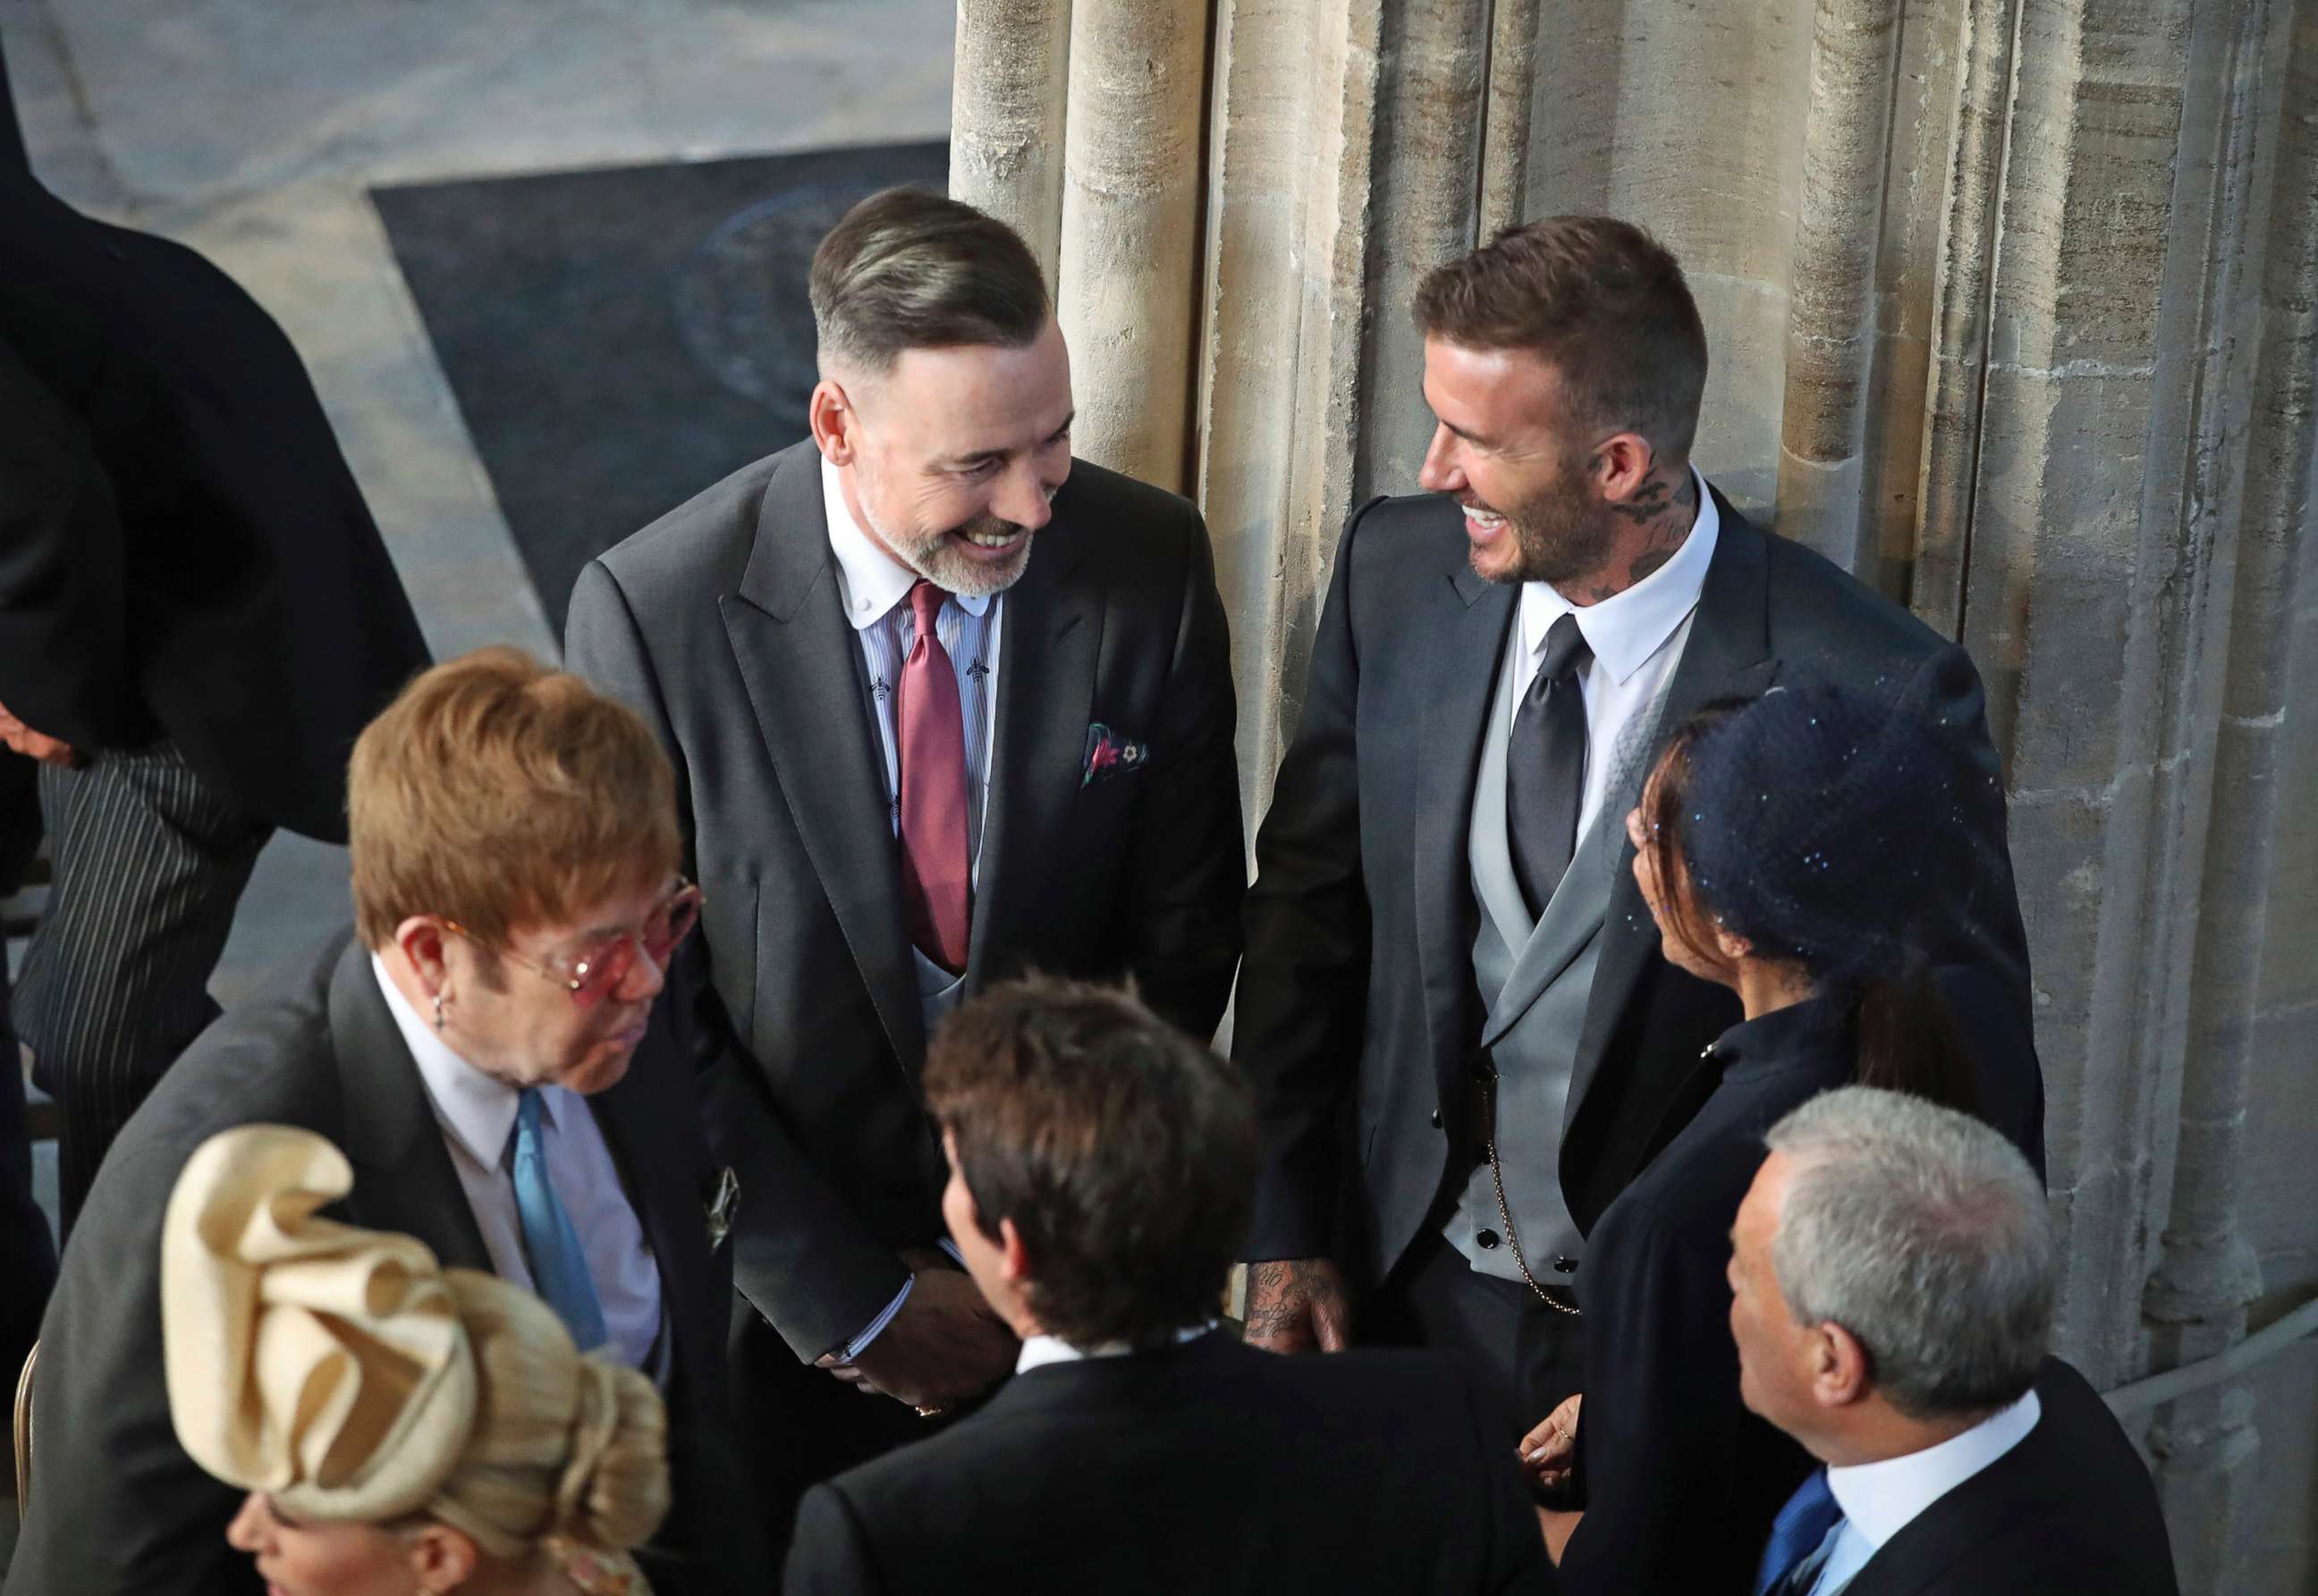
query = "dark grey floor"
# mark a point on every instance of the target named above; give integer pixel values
(619, 339)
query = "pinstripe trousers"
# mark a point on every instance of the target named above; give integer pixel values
(148, 864)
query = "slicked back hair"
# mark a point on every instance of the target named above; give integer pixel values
(1923, 1233)
(1603, 303)
(907, 269)
(1124, 1152)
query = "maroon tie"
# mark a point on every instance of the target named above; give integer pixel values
(930, 734)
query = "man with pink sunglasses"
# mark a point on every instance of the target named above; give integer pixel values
(479, 1047)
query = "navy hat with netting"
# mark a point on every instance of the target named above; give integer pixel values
(1823, 825)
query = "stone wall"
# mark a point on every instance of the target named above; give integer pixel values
(2014, 307)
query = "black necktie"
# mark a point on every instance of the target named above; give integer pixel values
(1545, 768)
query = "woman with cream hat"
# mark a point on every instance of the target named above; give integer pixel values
(398, 1427)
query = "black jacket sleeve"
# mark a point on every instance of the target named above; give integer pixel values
(1303, 986)
(1183, 880)
(64, 661)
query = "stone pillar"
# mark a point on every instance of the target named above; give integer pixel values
(1006, 116)
(1830, 344)
(2013, 306)
(1129, 272)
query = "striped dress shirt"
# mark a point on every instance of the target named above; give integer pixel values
(873, 586)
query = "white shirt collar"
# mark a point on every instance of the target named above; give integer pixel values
(1625, 630)
(869, 582)
(1879, 1499)
(478, 1109)
(1040, 1349)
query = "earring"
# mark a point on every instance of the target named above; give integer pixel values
(438, 1011)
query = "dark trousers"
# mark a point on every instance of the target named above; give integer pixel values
(147, 866)
(28, 1253)
(1528, 1356)
(799, 1425)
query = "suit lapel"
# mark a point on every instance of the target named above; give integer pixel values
(1050, 636)
(403, 1177)
(1569, 924)
(802, 665)
(656, 1171)
(1467, 650)
(1728, 652)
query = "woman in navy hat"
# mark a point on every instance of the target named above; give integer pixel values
(1800, 848)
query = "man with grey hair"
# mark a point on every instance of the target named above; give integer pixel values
(945, 705)
(1892, 1278)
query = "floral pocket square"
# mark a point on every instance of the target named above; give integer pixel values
(1107, 754)
(720, 1204)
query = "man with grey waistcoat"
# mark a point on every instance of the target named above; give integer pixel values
(1462, 1032)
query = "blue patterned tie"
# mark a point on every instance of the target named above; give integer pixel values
(1800, 1530)
(559, 1266)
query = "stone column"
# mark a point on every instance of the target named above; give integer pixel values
(2013, 308)
(1831, 345)
(1006, 116)
(1128, 272)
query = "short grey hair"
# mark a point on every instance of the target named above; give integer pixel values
(907, 269)
(1925, 1234)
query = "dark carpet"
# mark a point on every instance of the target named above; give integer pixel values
(619, 339)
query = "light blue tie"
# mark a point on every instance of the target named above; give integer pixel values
(559, 1266)
(1800, 1533)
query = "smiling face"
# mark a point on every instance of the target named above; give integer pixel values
(1508, 447)
(950, 459)
(520, 1026)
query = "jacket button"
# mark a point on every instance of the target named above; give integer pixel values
(1568, 1266)
(1484, 1074)
(1436, 1119)
(1485, 1239)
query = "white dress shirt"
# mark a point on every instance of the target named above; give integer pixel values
(872, 586)
(1636, 637)
(1879, 1499)
(1041, 1350)
(477, 1114)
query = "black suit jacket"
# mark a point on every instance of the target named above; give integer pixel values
(721, 624)
(1680, 1482)
(1357, 1009)
(2070, 1509)
(117, 1507)
(1210, 1467)
(193, 559)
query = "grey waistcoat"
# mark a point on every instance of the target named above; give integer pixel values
(1534, 979)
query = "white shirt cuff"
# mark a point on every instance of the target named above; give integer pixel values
(877, 1327)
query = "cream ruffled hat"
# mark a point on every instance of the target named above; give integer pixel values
(323, 1365)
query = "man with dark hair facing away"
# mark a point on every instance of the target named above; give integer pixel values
(1102, 1168)
(1464, 1037)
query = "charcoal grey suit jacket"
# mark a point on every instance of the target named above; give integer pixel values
(721, 624)
(1358, 1015)
(117, 1508)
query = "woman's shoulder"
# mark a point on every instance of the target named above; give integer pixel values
(1700, 1176)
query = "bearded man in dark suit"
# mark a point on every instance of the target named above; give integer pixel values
(944, 704)
(1465, 1039)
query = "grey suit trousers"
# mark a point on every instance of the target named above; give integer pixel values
(148, 862)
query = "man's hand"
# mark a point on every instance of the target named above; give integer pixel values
(1296, 1304)
(1549, 1451)
(944, 1346)
(35, 745)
